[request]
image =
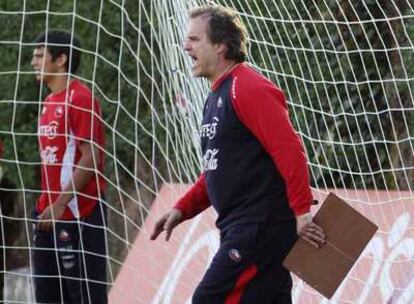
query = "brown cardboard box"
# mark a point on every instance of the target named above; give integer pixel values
(347, 233)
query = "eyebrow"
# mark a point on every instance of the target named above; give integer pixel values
(193, 36)
(38, 53)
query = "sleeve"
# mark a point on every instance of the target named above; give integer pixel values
(195, 200)
(84, 117)
(264, 112)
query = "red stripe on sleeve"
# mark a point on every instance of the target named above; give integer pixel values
(195, 200)
(261, 107)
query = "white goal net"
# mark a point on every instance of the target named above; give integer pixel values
(346, 68)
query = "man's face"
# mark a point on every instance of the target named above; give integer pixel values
(43, 64)
(201, 50)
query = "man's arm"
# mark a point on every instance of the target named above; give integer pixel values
(264, 112)
(192, 203)
(195, 200)
(82, 174)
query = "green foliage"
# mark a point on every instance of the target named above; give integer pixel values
(348, 75)
(119, 47)
(109, 66)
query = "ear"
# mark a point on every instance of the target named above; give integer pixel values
(61, 60)
(221, 48)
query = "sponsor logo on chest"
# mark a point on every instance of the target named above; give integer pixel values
(50, 130)
(210, 160)
(49, 155)
(209, 130)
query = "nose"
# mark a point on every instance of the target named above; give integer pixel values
(33, 62)
(187, 45)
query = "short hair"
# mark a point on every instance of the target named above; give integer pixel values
(224, 26)
(60, 42)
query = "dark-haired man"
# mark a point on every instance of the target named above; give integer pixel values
(254, 170)
(69, 255)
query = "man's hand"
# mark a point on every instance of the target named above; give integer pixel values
(49, 215)
(167, 222)
(309, 231)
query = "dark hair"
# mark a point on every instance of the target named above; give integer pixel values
(60, 42)
(224, 26)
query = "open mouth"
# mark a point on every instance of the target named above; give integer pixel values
(194, 60)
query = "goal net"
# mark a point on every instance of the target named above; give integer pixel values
(346, 68)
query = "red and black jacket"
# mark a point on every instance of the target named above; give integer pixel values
(254, 165)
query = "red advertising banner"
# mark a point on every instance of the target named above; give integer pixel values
(167, 272)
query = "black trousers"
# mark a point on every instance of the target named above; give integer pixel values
(248, 266)
(69, 263)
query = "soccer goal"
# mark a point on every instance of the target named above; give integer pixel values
(346, 68)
